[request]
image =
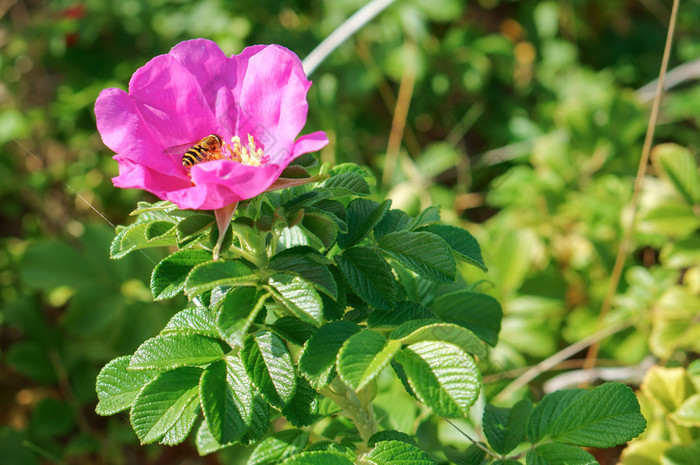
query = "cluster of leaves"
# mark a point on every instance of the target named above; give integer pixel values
(319, 290)
(670, 400)
(339, 288)
(602, 417)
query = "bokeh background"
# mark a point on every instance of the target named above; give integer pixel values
(524, 120)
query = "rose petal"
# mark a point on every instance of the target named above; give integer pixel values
(171, 102)
(273, 103)
(309, 143)
(141, 177)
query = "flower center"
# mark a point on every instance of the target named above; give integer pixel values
(250, 154)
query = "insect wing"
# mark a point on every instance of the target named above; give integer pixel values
(179, 149)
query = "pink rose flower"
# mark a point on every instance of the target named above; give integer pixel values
(255, 101)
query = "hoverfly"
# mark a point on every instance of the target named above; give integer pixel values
(206, 149)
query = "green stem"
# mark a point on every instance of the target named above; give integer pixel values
(252, 245)
(252, 258)
(357, 408)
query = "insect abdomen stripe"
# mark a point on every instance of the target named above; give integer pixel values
(193, 155)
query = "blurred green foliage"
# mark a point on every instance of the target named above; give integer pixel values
(523, 122)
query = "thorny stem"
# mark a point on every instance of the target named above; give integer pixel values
(357, 408)
(626, 243)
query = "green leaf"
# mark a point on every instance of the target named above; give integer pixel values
(390, 435)
(50, 418)
(677, 164)
(168, 404)
(294, 172)
(363, 356)
(236, 313)
(472, 456)
(559, 454)
(118, 387)
(442, 376)
(320, 226)
(269, 365)
(168, 278)
(682, 454)
(318, 356)
(644, 452)
(424, 253)
(278, 447)
(14, 445)
(428, 216)
(332, 209)
(303, 409)
(134, 237)
(308, 264)
(318, 458)
(363, 215)
(31, 359)
(302, 200)
(681, 253)
(299, 298)
(43, 265)
(338, 427)
(669, 387)
(605, 416)
(479, 313)
(672, 218)
(419, 290)
(227, 399)
(170, 351)
(206, 442)
(398, 453)
(182, 427)
(146, 207)
(193, 320)
(295, 236)
(193, 225)
(463, 244)
(403, 312)
(260, 421)
(369, 275)
(208, 275)
(414, 331)
(293, 329)
(348, 183)
(335, 309)
(394, 220)
(505, 427)
(160, 230)
(688, 414)
(549, 408)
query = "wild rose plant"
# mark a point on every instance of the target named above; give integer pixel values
(317, 319)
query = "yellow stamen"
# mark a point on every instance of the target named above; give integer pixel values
(250, 155)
